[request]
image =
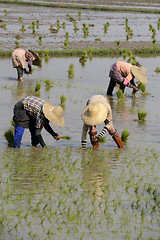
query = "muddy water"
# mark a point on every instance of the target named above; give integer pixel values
(88, 80)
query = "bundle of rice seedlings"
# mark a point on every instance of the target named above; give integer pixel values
(65, 137)
(125, 135)
(9, 135)
(38, 87)
(63, 100)
(142, 87)
(142, 115)
(102, 140)
(120, 94)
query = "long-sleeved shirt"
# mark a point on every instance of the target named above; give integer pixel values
(28, 113)
(20, 56)
(108, 121)
(121, 73)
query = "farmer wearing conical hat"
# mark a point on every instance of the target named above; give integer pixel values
(124, 74)
(19, 58)
(97, 111)
(34, 113)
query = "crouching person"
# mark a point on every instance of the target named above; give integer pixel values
(34, 114)
(98, 110)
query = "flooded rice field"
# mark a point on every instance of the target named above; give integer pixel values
(64, 192)
(68, 193)
(55, 23)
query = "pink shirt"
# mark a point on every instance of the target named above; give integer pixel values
(125, 69)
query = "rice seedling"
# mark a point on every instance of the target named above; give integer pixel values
(120, 94)
(66, 42)
(16, 43)
(141, 116)
(118, 43)
(39, 39)
(63, 25)
(4, 25)
(5, 11)
(102, 140)
(125, 134)
(38, 87)
(48, 83)
(63, 100)
(157, 70)
(23, 28)
(9, 136)
(71, 70)
(65, 137)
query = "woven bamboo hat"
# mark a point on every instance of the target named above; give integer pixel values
(139, 73)
(94, 113)
(54, 114)
(37, 61)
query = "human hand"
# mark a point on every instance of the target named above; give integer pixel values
(57, 137)
(26, 71)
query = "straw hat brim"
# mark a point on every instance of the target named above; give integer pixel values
(94, 113)
(54, 114)
(139, 73)
(37, 61)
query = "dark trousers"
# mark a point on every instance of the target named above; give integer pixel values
(18, 134)
(111, 86)
(19, 71)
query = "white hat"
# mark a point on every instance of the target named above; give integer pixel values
(139, 73)
(94, 113)
(54, 114)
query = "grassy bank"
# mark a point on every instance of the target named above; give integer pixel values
(91, 7)
(96, 52)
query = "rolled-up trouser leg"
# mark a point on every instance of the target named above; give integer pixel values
(19, 71)
(111, 86)
(18, 136)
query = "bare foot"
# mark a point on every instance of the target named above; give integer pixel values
(20, 79)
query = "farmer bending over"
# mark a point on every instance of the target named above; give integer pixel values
(34, 113)
(19, 58)
(124, 73)
(98, 110)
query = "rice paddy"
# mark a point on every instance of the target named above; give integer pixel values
(63, 192)
(52, 194)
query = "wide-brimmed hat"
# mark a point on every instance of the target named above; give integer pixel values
(37, 61)
(94, 113)
(54, 114)
(139, 73)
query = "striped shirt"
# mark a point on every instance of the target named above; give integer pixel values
(33, 106)
(108, 121)
(29, 57)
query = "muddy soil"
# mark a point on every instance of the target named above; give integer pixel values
(18, 15)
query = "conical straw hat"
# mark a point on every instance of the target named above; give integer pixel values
(54, 114)
(139, 73)
(37, 61)
(94, 113)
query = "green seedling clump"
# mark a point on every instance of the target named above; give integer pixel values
(63, 100)
(38, 87)
(125, 135)
(48, 83)
(71, 71)
(142, 115)
(120, 94)
(65, 137)
(9, 136)
(142, 87)
(102, 140)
